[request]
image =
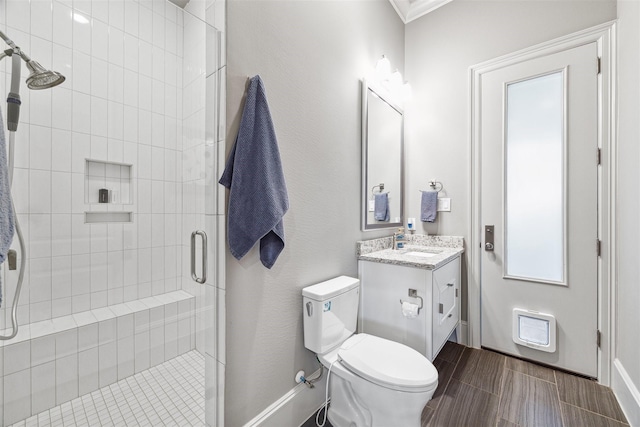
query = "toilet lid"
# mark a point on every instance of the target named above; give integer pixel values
(388, 363)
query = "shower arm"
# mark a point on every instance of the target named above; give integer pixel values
(14, 49)
(8, 40)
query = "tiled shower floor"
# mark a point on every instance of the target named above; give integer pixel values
(170, 394)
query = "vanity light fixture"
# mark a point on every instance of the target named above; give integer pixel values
(393, 83)
(396, 79)
(383, 69)
(406, 91)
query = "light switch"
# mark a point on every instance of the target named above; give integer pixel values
(372, 205)
(444, 204)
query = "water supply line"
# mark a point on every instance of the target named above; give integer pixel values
(300, 378)
(326, 397)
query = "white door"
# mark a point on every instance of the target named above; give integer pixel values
(539, 191)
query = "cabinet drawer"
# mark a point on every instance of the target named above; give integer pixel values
(446, 300)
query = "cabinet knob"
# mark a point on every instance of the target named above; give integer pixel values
(450, 314)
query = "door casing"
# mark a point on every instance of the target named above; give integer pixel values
(604, 36)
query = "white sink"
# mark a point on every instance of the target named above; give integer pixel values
(421, 254)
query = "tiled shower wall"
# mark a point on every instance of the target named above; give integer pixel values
(122, 102)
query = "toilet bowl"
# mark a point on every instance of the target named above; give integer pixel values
(373, 382)
(378, 383)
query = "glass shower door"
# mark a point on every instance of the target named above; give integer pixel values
(113, 329)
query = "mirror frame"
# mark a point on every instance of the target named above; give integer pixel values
(383, 95)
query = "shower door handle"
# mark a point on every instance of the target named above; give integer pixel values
(194, 276)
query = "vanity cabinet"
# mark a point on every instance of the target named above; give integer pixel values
(383, 287)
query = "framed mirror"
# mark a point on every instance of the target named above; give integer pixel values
(382, 160)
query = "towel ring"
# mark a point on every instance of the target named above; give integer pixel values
(379, 186)
(434, 184)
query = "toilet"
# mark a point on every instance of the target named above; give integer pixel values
(373, 382)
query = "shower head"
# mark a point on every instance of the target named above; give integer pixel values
(40, 78)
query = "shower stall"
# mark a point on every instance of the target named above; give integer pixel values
(120, 311)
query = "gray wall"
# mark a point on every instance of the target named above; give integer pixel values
(627, 340)
(311, 56)
(440, 48)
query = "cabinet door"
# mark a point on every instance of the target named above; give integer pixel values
(446, 302)
(383, 286)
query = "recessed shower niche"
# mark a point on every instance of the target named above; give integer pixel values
(107, 190)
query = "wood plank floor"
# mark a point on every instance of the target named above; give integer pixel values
(483, 388)
(478, 388)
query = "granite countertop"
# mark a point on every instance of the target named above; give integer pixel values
(420, 251)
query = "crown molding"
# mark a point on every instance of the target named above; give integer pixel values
(409, 10)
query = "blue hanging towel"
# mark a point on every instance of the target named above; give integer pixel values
(258, 194)
(381, 207)
(429, 206)
(6, 207)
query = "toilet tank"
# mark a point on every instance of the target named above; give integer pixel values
(330, 311)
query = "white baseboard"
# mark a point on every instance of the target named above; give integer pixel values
(627, 393)
(295, 407)
(464, 333)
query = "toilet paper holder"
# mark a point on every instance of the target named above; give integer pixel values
(413, 293)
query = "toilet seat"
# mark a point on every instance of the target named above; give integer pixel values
(388, 364)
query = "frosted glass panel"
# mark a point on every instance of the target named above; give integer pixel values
(535, 179)
(533, 330)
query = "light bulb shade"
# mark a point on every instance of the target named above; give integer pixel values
(396, 81)
(39, 78)
(383, 69)
(407, 93)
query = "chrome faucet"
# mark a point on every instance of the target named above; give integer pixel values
(398, 239)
